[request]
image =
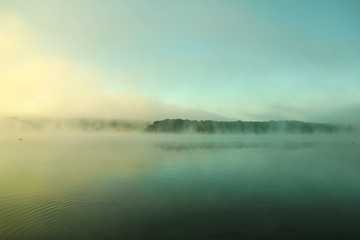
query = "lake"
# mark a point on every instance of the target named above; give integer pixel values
(148, 186)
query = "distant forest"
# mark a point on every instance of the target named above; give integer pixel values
(83, 124)
(174, 126)
(208, 126)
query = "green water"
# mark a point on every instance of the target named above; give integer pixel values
(129, 186)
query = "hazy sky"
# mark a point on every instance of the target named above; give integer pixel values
(218, 59)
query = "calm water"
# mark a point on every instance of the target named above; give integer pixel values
(116, 186)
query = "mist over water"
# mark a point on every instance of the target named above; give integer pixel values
(162, 186)
(249, 120)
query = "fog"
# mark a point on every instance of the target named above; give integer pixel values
(179, 126)
(196, 120)
(38, 80)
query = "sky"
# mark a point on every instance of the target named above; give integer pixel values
(198, 59)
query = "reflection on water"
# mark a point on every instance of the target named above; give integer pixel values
(172, 146)
(179, 187)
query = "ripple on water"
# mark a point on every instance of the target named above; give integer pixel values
(44, 213)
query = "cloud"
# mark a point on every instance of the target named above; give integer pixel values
(36, 83)
(342, 114)
(128, 60)
(349, 114)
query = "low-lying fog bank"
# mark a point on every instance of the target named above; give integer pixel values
(240, 127)
(74, 124)
(173, 126)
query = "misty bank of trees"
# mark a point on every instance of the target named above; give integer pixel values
(82, 124)
(173, 126)
(242, 127)
(111, 125)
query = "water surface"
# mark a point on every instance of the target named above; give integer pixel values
(145, 186)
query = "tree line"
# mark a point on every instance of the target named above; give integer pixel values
(257, 127)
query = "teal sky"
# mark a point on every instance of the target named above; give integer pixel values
(245, 59)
